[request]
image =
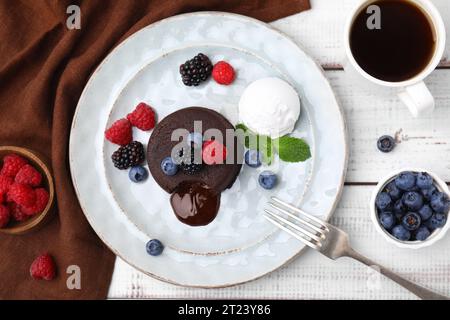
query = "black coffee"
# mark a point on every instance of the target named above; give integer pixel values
(401, 48)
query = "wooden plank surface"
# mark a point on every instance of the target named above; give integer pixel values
(320, 30)
(313, 276)
(424, 142)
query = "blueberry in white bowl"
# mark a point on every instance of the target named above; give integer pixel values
(410, 208)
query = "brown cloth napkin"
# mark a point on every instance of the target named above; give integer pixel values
(44, 67)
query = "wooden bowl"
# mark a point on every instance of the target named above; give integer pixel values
(47, 182)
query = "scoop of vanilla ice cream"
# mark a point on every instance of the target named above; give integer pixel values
(270, 106)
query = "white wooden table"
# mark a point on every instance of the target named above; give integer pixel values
(424, 143)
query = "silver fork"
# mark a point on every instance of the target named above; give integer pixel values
(332, 242)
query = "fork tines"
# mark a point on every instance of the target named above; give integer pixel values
(301, 225)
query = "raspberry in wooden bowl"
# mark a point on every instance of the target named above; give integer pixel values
(26, 190)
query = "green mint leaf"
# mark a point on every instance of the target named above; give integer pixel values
(292, 149)
(241, 126)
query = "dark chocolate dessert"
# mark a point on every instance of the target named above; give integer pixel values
(213, 178)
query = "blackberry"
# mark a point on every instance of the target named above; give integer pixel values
(196, 70)
(128, 156)
(187, 161)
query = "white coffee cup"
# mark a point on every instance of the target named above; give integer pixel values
(413, 92)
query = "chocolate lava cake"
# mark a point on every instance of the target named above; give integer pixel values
(218, 177)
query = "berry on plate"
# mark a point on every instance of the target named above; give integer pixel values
(169, 167)
(196, 70)
(21, 194)
(129, 155)
(4, 216)
(43, 268)
(188, 162)
(28, 175)
(154, 247)
(386, 144)
(413, 200)
(401, 233)
(143, 117)
(267, 179)
(195, 140)
(214, 152)
(383, 201)
(223, 73)
(12, 164)
(138, 174)
(253, 158)
(406, 181)
(120, 132)
(411, 221)
(39, 205)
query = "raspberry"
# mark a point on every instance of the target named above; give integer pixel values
(39, 205)
(12, 164)
(143, 117)
(4, 215)
(223, 73)
(43, 267)
(16, 212)
(21, 194)
(28, 175)
(120, 132)
(214, 152)
(5, 184)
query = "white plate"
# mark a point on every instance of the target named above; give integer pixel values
(239, 245)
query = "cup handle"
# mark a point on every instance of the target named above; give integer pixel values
(418, 99)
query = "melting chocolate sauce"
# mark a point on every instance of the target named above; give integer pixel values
(194, 203)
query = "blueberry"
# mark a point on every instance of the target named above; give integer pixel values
(253, 158)
(424, 180)
(393, 191)
(406, 181)
(401, 233)
(399, 208)
(383, 201)
(440, 202)
(387, 220)
(436, 221)
(386, 144)
(169, 167)
(425, 212)
(138, 174)
(195, 139)
(267, 179)
(413, 200)
(428, 193)
(411, 221)
(422, 233)
(154, 247)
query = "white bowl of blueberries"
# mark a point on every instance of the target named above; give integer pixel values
(410, 208)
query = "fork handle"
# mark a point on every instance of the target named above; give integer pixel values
(418, 290)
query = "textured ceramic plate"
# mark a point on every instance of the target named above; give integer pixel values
(239, 245)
